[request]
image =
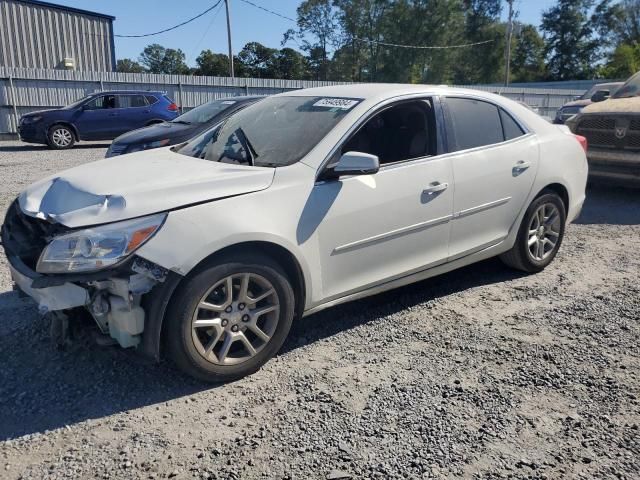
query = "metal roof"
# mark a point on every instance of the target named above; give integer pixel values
(67, 9)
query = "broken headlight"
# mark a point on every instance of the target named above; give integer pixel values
(98, 248)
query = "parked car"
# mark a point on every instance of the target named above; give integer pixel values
(299, 202)
(180, 129)
(100, 116)
(597, 93)
(612, 128)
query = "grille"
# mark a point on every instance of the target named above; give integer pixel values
(26, 236)
(612, 132)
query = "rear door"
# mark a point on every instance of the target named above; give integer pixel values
(494, 165)
(133, 112)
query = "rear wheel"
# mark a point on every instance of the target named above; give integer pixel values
(60, 137)
(230, 318)
(540, 234)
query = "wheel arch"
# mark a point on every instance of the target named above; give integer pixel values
(562, 192)
(157, 301)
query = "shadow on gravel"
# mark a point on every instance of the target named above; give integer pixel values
(42, 388)
(28, 147)
(609, 205)
(343, 317)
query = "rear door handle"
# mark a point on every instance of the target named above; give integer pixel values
(435, 187)
(521, 166)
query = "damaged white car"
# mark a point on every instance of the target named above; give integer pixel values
(300, 202)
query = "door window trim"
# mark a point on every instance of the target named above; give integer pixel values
(448, 121)
(441, 145)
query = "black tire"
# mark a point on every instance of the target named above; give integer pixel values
(520, 256)
(61, 137)
(182, 348)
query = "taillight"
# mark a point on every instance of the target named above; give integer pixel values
(583, 142)
(172, 107)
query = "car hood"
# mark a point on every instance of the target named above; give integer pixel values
(159, 131)
(137, 184)
(615, 105)
(577, 103)
(41, 112)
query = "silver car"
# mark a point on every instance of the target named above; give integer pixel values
(300, 202)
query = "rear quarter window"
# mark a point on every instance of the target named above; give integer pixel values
(510, 126)
(151, 99)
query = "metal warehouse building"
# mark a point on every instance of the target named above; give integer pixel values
(36, 34)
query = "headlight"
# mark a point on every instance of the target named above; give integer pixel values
(148, 146)
(98, 248)
(31, 119)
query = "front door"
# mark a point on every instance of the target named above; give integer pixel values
(98, 118)
(380, 227)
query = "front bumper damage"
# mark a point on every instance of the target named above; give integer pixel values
(127, 301)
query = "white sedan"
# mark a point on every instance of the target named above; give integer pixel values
(302, 201)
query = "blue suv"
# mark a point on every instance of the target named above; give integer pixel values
(100, 116)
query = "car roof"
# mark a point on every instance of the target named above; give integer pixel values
(120, 92)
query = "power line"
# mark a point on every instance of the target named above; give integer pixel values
(213, 18)
(175, 26)
(269, 11)
(375, 42)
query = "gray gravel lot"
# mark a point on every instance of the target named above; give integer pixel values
(480, 373)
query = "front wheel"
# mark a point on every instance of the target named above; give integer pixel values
(540, 234)
(230, 318)
(60, 137)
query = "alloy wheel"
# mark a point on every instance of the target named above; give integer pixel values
(235, 319)
(61, 137)
(544, 231)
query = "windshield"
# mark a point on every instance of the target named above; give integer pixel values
(274, 132)
(76, 103)
(631, 88)
(205, 112)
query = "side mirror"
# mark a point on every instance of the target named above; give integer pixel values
(600, 96)
(356, 163)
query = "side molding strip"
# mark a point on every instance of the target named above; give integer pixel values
(481, 208)
(393, 233)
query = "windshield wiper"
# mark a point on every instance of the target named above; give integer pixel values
(246, 144)
(183, 122)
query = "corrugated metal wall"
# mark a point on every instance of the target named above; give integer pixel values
(26, 90)
(36, 36)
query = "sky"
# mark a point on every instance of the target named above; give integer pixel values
(134, 17)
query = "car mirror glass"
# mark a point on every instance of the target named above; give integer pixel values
(600, 96)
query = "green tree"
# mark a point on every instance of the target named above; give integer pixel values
(290, 64)
(129, 66)
(258, 60)
(212, 64)
(570, 46)
(527, 61)
(158, 59)
(623, 62)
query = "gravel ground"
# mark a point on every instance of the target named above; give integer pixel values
(480, 373)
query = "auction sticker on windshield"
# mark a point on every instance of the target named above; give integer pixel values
(341, 103)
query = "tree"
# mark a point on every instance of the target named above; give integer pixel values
(527, 63)
(212, 64)
(570, 47)
(159, 59)
(258, 60)
(316, 20)
(624, 62)
(290, 64)
(129, 66)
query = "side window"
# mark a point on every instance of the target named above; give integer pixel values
(131, 101)
(151, 99)
(103, 101)
(509, 126)
(472, 123)
(402, 132)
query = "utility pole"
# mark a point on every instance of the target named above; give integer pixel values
(507, 67)
(226, 3)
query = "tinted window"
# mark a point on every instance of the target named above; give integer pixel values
(103, 101)
(473, 123)
(511, 128)
(274, 132)
(151, 99)
(131, 101)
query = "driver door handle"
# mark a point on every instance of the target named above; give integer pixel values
(521, 166)
(435, 187)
